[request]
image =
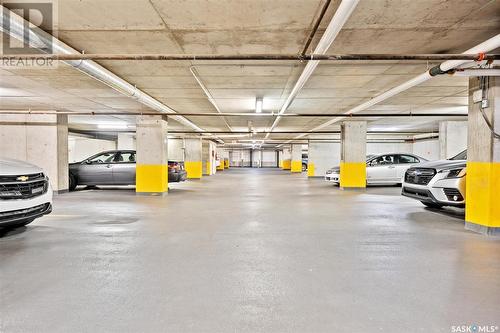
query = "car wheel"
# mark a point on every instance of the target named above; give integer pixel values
(72, 182)
(432, 204)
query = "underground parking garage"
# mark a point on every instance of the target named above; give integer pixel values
(249, 166)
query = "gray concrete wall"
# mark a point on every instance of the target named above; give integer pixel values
(428, 149)
(80, 148)
(38, 139)
(176, 149)
(452, 138)
(126, 141)
(322, 156)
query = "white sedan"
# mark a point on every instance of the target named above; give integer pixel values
(25, 193)
(383, 169)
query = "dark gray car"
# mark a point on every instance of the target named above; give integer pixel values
(115, 167)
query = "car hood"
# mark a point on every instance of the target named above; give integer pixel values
(442, 164)
(11, 167)
(334, 169)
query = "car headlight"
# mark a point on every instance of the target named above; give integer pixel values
(456, 173)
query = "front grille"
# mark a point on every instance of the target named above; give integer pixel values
(23, 190)
(21, 213)
(15, 179)
(416, 192)
(419, 176)
(453, 194)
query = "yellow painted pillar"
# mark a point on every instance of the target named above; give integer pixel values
(193, 158)
(220, 167)
(296, 157)
(310, 169)
(208, 157)
(482, 210)
(287, 164)
(152, 156)
(353, 155)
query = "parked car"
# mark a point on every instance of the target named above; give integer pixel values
(25, 193)
(439, 183)
(115, 167)
(305, 161)
(383, 169)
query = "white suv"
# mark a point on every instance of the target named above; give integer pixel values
(25, 193)
(439, 183)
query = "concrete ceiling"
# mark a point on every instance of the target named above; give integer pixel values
(255, 26)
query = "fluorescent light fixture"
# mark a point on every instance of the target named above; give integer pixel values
(113, 126)
(258, 105)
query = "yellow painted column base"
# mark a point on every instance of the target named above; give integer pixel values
(220, 167)
(194, 169)
(310, 169)
(287, 164)
(296, 166)
(281, 164)
(151, 178)
(226, 164)
(483, 183)
(353, 174)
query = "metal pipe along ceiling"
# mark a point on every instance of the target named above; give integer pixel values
(486, 46)
(342, 13)
(253, 57)
(193, 71)
(42, 39)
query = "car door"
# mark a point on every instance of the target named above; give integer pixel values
(403, 163)
(97, 170)
(381, 170)
(124, 168)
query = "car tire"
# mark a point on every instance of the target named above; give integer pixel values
(432, 204)
(72, 182)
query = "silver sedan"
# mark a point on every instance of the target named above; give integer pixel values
(115, 167)
(383, 169)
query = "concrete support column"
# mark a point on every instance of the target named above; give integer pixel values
(452, 138)
(152, 155)
(126, 141)
(482, 211)
(220, 157)
(208, 158)
(226, 159)
(38, 139)
(280, 159)
(353, 155)
(296, 157)
(193, 158)
(322, 156)
(287, 158)
(176, 149)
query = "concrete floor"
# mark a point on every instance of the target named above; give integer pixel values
(248, 251)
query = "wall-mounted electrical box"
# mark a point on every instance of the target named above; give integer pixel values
(477, 96)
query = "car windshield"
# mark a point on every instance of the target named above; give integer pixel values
(102, 158)
(461, 156)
